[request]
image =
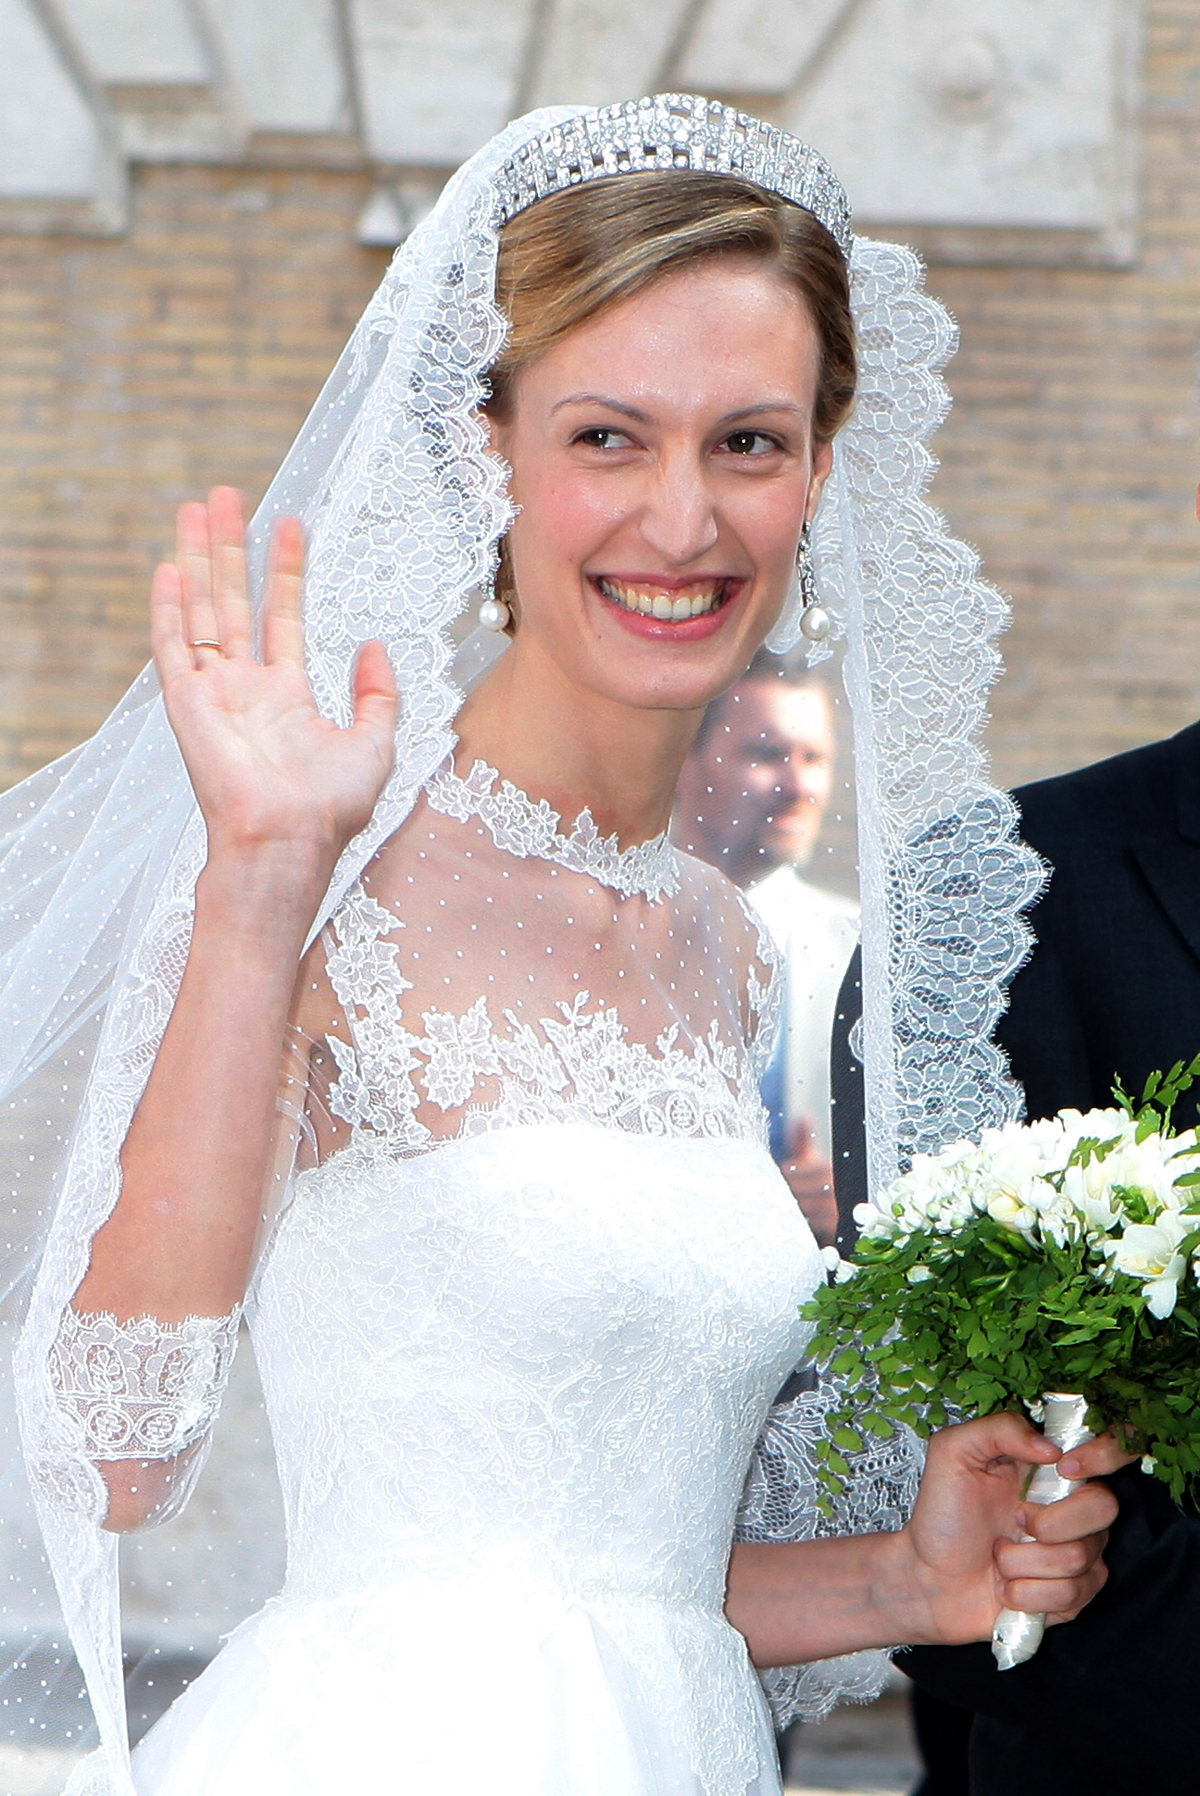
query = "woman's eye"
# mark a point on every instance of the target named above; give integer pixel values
(750, 442)
(602, 437)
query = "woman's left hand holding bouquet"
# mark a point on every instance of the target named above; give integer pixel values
(282, 791)
(967, 1557)
(946, 1576)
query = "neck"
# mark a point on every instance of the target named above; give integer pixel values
(576, 748)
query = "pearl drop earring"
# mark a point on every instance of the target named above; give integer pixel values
(494, 614)
(815, 621)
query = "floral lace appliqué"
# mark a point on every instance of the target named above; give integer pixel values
(143, 1389)
(576, 1066)
(522, 827)
(780, 1503)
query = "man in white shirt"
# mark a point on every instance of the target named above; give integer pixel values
(752, 800)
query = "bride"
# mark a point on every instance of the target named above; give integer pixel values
(455, 1092)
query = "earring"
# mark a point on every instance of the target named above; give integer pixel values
(815, 621)
(494, 613)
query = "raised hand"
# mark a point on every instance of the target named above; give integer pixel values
(965, 1531)
(268, 770)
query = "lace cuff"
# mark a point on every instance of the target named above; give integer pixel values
(780, 1504)
(144, 1389)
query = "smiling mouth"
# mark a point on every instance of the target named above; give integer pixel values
(678, 606)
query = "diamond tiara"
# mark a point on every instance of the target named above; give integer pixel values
(668, 131)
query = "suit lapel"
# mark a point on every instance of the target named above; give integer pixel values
(1173, 869)
(1185, 763)
(1172, 865)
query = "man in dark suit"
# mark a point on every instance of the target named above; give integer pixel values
(1107, 1707)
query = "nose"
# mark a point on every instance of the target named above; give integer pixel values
(789, 786)
(679, 521)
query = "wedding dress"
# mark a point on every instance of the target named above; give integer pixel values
(536, 1280)
(518, 1332)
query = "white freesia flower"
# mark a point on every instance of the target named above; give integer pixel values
(1087, 1190)
(1019, 1175)
(874, 1223)
(1022, 1151)
(1143, 1166)
(1095, 1125)
(1010, 1210)
(939, 1192)
(1057, 1216)
(1149, 1251)
(1153, 1240)
(1162, 1294)
(1015, 1177)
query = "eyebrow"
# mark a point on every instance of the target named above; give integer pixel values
(641, 417)
(612, 405)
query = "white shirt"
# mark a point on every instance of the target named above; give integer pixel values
(816, 932)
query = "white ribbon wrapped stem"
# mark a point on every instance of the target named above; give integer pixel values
(1017, 1636)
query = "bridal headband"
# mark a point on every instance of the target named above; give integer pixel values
(675, 131)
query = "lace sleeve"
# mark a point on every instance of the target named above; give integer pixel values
(144, 1390)
(780, 1504)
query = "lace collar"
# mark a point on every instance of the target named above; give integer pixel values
(521, 827)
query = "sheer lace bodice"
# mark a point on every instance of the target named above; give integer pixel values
(490, 970)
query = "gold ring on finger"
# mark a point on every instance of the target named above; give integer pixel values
(207, 642)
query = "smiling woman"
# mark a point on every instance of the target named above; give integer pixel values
(656, 539)
(591, 250)
(461, 1107)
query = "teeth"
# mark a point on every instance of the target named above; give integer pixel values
(660, 604)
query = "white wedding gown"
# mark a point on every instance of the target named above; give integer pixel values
(518, 1331)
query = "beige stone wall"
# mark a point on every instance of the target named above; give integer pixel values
(135, 371)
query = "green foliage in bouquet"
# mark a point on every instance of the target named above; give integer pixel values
(1052, 1256)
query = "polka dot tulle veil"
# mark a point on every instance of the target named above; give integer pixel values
(479, 977)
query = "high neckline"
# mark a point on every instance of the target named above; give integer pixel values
(523, 827)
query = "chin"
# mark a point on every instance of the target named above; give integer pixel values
(791, 851)
(663, 687)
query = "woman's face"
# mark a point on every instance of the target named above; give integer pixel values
(663, 460)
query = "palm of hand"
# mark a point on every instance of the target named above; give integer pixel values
(263, 761)
(266, 767)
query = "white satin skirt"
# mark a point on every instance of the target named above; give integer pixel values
(442, 1687)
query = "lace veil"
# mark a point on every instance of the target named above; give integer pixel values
(403, 505)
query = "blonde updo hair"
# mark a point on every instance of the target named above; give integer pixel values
(568, 257)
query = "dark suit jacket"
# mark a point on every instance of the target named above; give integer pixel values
(1111, 1703)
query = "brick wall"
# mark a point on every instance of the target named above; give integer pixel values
(136, 371)
(1072, 455)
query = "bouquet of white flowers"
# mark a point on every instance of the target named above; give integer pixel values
(1051, 1266)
